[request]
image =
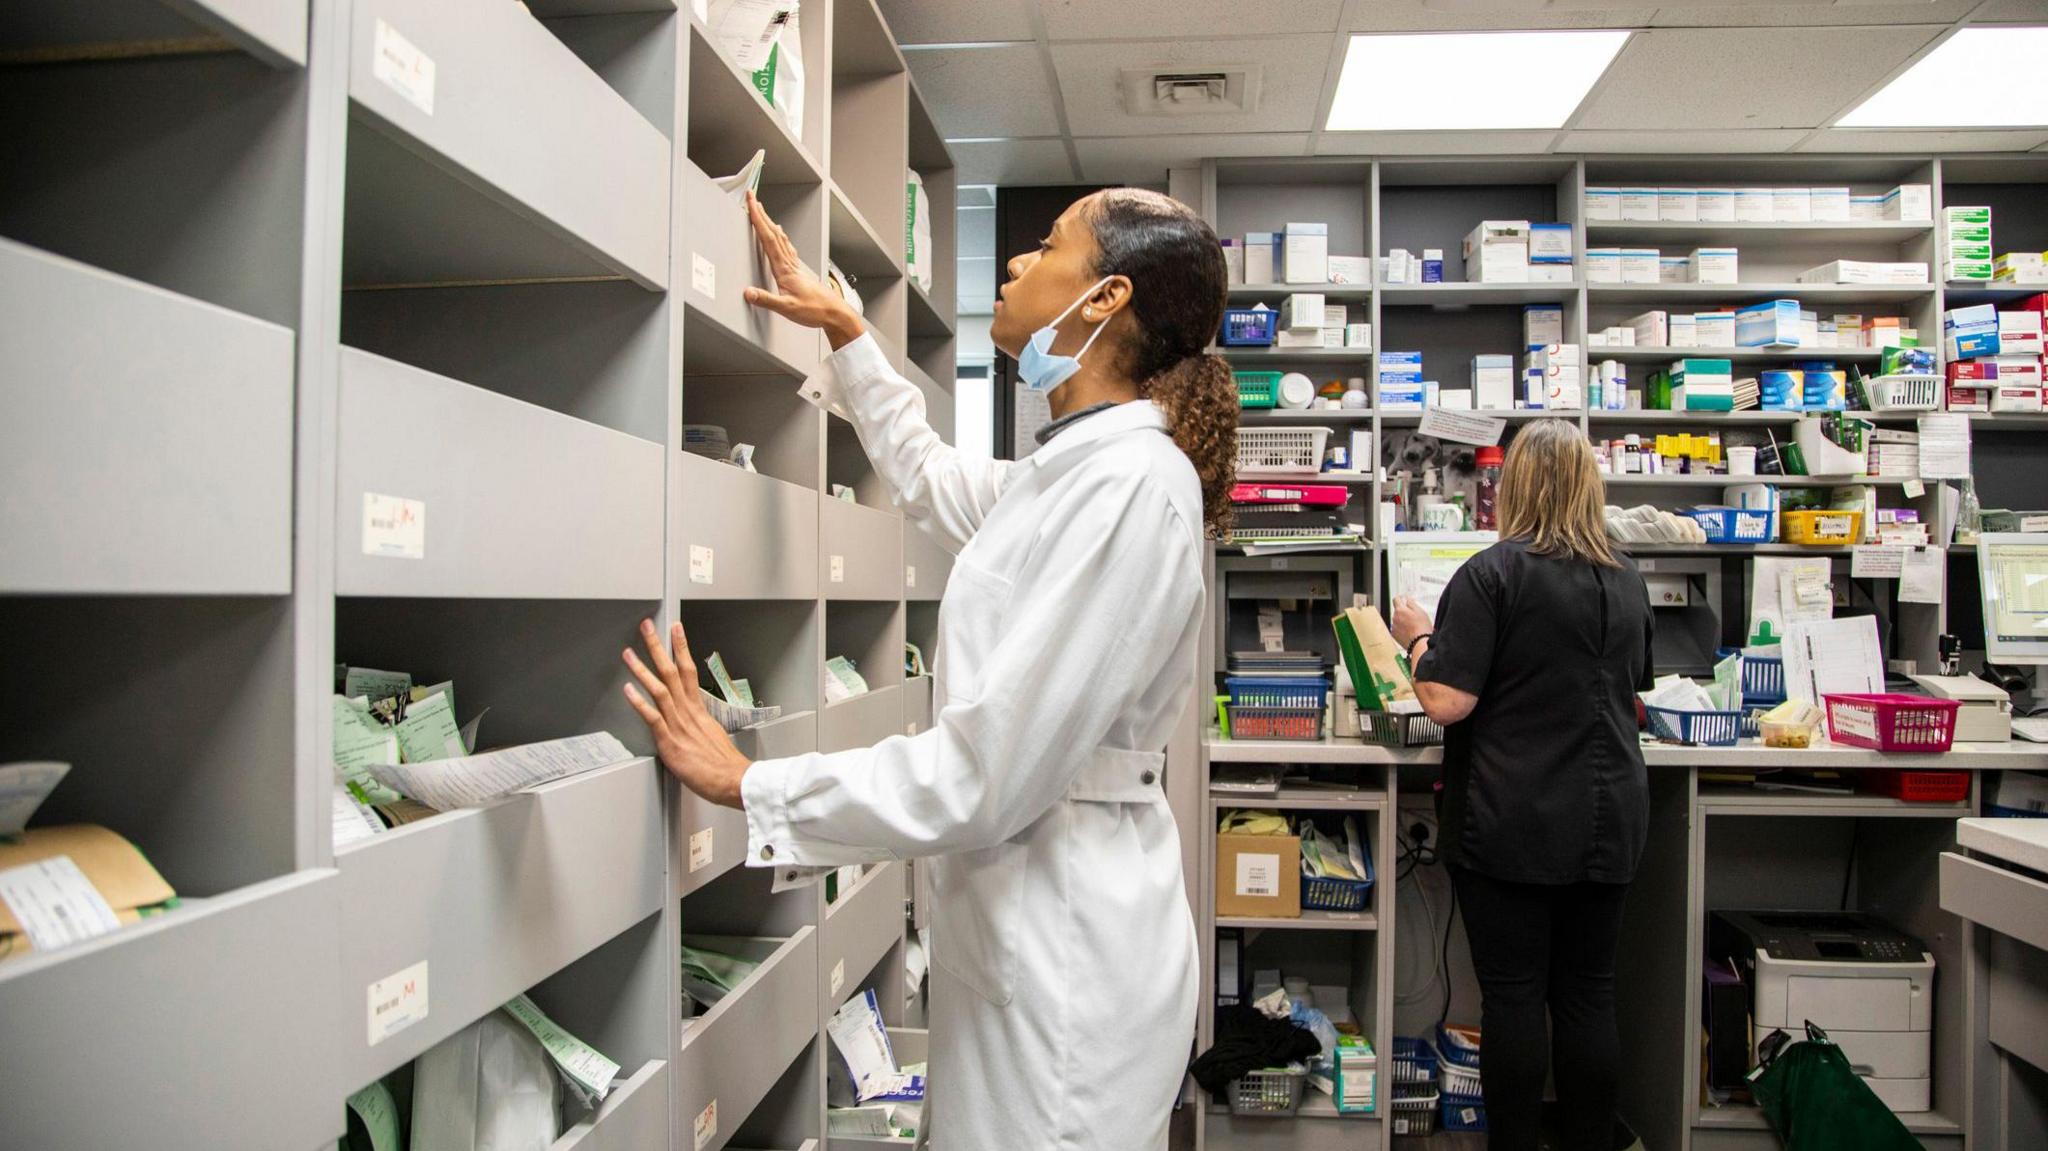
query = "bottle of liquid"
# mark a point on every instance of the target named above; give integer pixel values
(1429, 497)
(1486, 517)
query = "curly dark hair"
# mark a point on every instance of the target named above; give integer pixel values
(1178, 285)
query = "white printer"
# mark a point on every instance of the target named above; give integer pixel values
(1986, 712)
(1867, 984)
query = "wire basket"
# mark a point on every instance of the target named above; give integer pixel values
(1916, 786)
(1415, 1061)
(1321, 893)
(1414, 1115)
(1281, 451)
(1276, 723)
(1462, 1113)
(1763, 680)
(1701, 728)
(1905, 393)
(1736, 525)
(1399, 729)
(1824, 528)
(1249, 327)
(1892, 722)
(1273, 1092)
(1460, 1081)
(1276, 707)
(1257, 389)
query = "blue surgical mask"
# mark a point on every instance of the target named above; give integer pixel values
(1038, 367)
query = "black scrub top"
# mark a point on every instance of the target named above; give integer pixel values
(1544, 781)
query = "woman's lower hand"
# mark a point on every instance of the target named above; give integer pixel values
(691, 744)
(1409, 621)
(799, 294)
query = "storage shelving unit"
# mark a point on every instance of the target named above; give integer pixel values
(265, 258)
(1700, 833)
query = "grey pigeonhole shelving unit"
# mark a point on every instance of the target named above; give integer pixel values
(261, 259)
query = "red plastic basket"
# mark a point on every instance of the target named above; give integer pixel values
(1892, 722)
(1917, 786)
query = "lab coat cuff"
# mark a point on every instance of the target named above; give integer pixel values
(843, 371)
(764, 792)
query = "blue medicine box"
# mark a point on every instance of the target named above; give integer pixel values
(1772, 324)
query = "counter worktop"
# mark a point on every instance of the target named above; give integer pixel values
(2016, 755)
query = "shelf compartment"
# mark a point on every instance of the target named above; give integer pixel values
(938, 399)
(1512, 415)
(729, 121)
(1696, 233)
(911, 1045)
(733, 1054)
(155, 462)
(857, 246)
(1648, 354)
(1319, 355)
(863, 721)
(1324, 750)
(1753, 417)
(859, 930)
(740, 535)
(1744, 294)
(1999, 898)
(273, 31)
(926, 567)
(633, 1116)
(1686, 480)
(1456, 294)
(508, 113)
(1309, 921)
(723, 260)
(863, 548)
(708, 839)
(466, 893)
(575, 513)
(917, 704)
(111, 1059)
(927, 320)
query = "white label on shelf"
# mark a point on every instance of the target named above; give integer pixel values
(910, 728)
(55, 903)
(909, 575)
(1914, 489)
(707, 1124)
(838, 977)
(1857, 721)
(394, 527)
(701, 849)
(838, 569)
(2034, 523)
(1646, 565)
(701, 559)
(703, 277)
(1463, 427)
(403, 68)
(397, 1002)
(1258, 874)
(1876, 561)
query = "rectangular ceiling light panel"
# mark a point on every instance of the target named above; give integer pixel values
(1982, 77)
(1469, 80)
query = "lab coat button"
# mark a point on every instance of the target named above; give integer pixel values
(767, 852)
(1149, 778)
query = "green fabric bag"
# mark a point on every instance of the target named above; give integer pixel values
(1815, 1102)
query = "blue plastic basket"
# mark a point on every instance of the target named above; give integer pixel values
(1276, 691)
(1249, 327)
(1415, 1061)
(1462, 1112)
(1736, 525)
(1325, 894)
(1702, 728)
(1763, 679)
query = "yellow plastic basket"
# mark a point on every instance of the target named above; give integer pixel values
(1831, 528)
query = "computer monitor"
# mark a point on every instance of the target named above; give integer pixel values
(2012, 568)
(1419, 564)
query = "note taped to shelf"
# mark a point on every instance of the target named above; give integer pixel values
(703, 848)
(1914, 489)
(705, 1128)
(702, 561)
(910, 575)
(394, 527)
(1924, 576)
(403, 68)
(23, 787)
(703, 276)
(838, 977)
(466, 781)
(2034, 523)
(397, 1002)
(586, 1068)
(838, 569)
(1945, 446)
(55, 904)
(1463, 427)
(1877, 561)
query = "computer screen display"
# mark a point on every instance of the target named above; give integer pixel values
(1420, 564)
(2013, 569)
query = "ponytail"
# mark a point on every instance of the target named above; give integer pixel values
(1199, 396)
(1173, 260)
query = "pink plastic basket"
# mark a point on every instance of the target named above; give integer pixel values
(1892, 722)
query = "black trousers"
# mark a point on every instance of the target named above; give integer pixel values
(1539, 948)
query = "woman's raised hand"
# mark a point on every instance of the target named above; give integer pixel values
(1409, 621)
(799, 294)
(691, 744)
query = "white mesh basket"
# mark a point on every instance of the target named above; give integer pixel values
(1905, 393)
(1281, 451)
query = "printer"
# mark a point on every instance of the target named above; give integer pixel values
(1864, 982)
(1986, 712)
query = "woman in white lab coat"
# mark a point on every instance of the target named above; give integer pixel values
(1063, 985)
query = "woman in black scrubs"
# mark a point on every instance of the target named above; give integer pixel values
(1540, 644)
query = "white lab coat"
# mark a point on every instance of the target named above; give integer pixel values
(1063, 986)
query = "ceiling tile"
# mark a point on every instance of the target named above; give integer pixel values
(1012, 161)
(1131, 19)
(1434, 143)
(1750, 140)
(1290, 83)
(974, 231)
(1937, 140)
(998, 91)
(1743, 77)
(2003, 10)
(1809, 15)
(1145, 159)
(1482, 15)
(958, 21)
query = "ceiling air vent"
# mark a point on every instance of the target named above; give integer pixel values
(1190, 91)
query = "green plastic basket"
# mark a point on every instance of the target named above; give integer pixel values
(1258, 389)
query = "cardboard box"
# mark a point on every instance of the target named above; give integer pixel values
(1792, 205)
(1713, 265)
(1260, 252)
(1970, 271)
(1966, 233)
(1716, 205)
(1303, 313)
(1714, 329)
(1493, 382)
(2021, 268)
(1552, 355)
(1542, 324)
(1550, 243)
(1639, 204)
(1306, 253)
(1399, 266)
(1639, 265)
(1966, 216)
(1771, 324)
(1830, 205)
(1358, 336)
(1603, 265)
(1678, 205)
(1603, 204)
(1973, 373)
(1685, 330)
(1354, 270)
(1962, 251)
(2020, 333)
(1233, 261)
(1910, 203)
(1754, 205)
(2015, 399)
(1674, 269)
(1866, 209)
(1652, 329)
(2019, 371)
(1549, 274)
(1498, 264)
(1969, 399)
(1258, 876)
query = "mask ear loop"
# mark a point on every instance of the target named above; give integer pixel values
(1082, 299)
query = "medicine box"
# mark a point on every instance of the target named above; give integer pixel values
(2021, 267)
(1652, 329)
(1714, 329)
(1673, 269)
(1399, 266)
(1639, 265)
(1354, 270)
(1402, 396)
(1550, 243)
(1713, 265)
(1307, 253)
(1259, 251)
(1964, 216)
(1549, 274)
(1299, 338)
(1973, 373)
(1542, 324)
(1333, 325)
(1432, 265)
(2015, 399)
(1684, 330)
(1258, 876)
(1358, 336)
(1792, 205)
(1830, 205)
(1233, 261)
(1454, 399)
(1551, 355)
(1603, 265)
(1967, 233)
(1639, 204)
(1603, 204)
(2019, 333)
(1866, 209)
(2019, 371)
(1754, 205)
(1910, 203)
(1771, 324)
(1702, 386)
(1969, 399)
(1967, 271)
(1493, 381)
(1716, 205)
(1304, 312)
(1678, 205)
(1956, 251)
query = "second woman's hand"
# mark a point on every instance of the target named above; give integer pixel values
(799, 295)
(691, 744)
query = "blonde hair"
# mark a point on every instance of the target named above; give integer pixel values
(1551, 495)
